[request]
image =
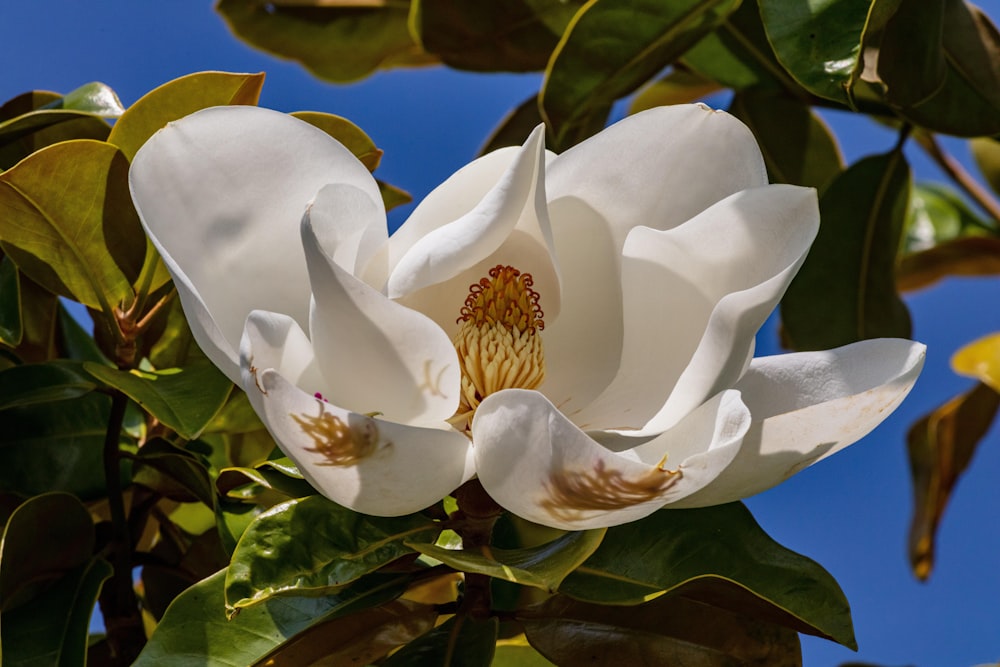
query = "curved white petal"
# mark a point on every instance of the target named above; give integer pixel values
(694, 297)
(377, 355)
(539, 465)
(350, 228)
(221, 193)
(809, 405)
(369, 465)
(658, 168)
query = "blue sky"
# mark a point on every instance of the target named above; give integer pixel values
(849, 513)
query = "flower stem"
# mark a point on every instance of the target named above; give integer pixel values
(476, 516)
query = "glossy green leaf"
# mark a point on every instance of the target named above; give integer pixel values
(610, 49)
(678, 87)
(43, 383)
(724, 546)
(94, 97)
(516, 126)
(339, 43)
(460, 641)
(196, 633)
(249, 483)
(502, 35)
(11, 329)
(911, 59)
(178, 98)
(543, 567)
(185, 399)
(797, 145)
(737, 54)
(314, 547)
(845, 290)
(45, 538)
(173, 472)
(970, 256)
(938, 214)
(986, 151)
(347, 133)
(817, 42)
(941, 446)
(670, 630)
(53, 629)
(62, 211)
(56, 447)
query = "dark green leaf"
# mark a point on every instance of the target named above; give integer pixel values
(45, 538)
(75, 343)
(183, 399)
(337, 43)
(10, 304)
(941, 445)
(196, 633)
(458, 642)
(176, 474)
(845, 290)
(671, 630)
(515, 128)
(43, 383)
(502, 35)
(797, 145)
(178, 98)
(911, 59)
(671, 550)
(610, 49)
(250, 483)
(39, 314)
(53, 629)
(542, 567)
(678, 87)
(313, 547)
(347, 133)
(817, 42)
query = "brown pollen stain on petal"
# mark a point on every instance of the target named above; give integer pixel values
(574, 493)
(340, 443)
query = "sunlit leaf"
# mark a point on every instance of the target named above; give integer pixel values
(986, 151)
(313, 547)
(717, 555)
(43, 383)
(337, 43)
(937, 214)
(845, 290)
(797, 145)
(516, 652)
(66, 216)
(178, 98)
(542, 567)
(610, 49)
(195, 630)
(501, 35)
(670, 630)
(347, 133)
(941, 446)
(460, 641)
(184, 399)
(250, 483)
(980, 360)
(969, 256)
(678, 87)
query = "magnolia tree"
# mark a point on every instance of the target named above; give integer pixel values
(517, 430)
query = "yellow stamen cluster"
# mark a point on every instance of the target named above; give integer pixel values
(498, 342)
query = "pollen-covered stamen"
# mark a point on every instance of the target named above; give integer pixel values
(498, 343)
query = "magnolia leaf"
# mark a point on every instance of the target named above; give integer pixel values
(609, 50)
(95, 97)
(236, 416)
(941, 446)
(502, 35)
(980, 360)
(671, 630)
(393, 196)
(678, 87)
(817, 42)
(66, 219)
(38, 315)
(350, 135)
(185, 399)
(910, 58)
(749, 571)
(517, 652)
(248, 484)
(53, 629)
(313, 547)
(52, 381)
(986, 151)
(845, 290)
(178, 98)
(938, 214)
(461, 641)
(797, 145)
(11, 328)
(46, 537)
(969, 256)
(541, 567)
(173, 473)
(195, 630)
(336, 43)
(515, 127)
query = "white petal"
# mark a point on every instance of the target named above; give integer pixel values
(694, 297)
(539, 465)
(377, 355)
(369, 465)
(658, 168)
(350, 228)
(221, 193)
(810, 405)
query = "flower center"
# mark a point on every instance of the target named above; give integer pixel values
(498, 343)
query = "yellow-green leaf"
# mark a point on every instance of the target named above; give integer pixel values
(980, 359)
(347, 133)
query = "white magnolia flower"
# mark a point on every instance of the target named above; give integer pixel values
(578, 330)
